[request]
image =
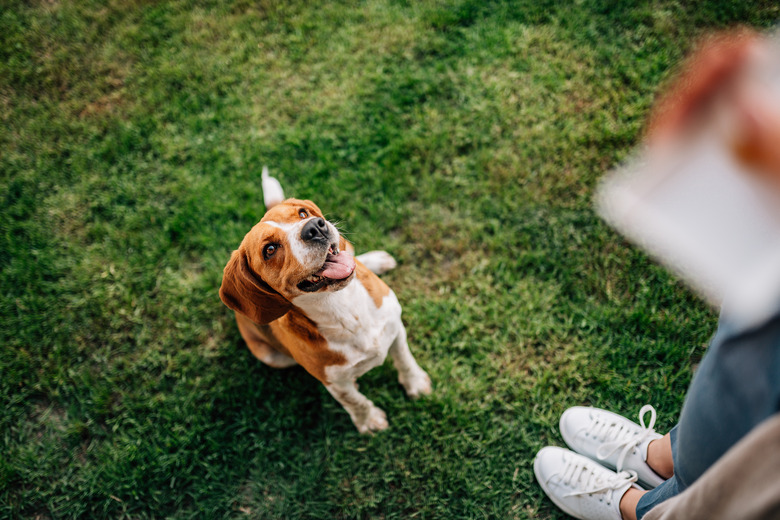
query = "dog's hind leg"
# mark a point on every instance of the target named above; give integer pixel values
(261, 346)
(378, 262)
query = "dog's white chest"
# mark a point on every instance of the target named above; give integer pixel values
(354, 326)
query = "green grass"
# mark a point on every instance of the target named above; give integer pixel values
(465, 137)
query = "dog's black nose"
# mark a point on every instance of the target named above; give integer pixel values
(315, 229)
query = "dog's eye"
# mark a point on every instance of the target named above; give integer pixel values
(269, 250)
(303, 213)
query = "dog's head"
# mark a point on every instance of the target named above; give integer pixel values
(292, 251)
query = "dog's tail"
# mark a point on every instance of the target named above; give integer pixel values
(272, 190)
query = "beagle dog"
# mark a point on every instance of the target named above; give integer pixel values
(301, 297)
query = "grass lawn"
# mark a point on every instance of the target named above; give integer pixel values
(465, 137)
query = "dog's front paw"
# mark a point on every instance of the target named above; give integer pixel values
(375, 420)
(416, 384)
(378, 262)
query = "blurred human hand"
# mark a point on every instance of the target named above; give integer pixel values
(732, 82)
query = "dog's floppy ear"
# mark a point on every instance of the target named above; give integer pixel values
(245, 292)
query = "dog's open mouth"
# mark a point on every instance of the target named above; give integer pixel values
(338, 266)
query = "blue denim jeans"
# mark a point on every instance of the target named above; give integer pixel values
(736, 386)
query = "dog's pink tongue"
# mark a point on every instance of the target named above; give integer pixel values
(338, 267)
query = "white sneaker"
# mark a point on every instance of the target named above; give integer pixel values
(579, 486)
(612, 440)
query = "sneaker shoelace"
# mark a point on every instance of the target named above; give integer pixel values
(622, 437)
(583, 477)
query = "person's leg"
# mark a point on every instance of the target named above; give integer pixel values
(744, 483)
(652, 498)
(629, 502)
(613, 440)
(670, 487)
(580, 486)
(595, 431)
(659, 456)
